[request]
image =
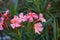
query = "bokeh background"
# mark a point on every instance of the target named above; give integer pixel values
(52, 14)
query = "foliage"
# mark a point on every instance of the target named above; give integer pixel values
(51, 27)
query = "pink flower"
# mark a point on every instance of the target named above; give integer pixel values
(15, 22)
(40, 15)
(41, 18)
(31, 16)
(22, 18)
(1, 28)
(6, 13)
(38, 28)
(1, 23)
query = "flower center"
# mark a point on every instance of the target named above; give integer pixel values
(15, 22)
(30, 14)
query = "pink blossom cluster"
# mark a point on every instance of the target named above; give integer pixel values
(2, 18)
(16, 21)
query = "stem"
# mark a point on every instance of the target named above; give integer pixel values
(28, 30)
(19, 35)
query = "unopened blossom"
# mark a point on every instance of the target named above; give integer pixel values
(48, 6)
(32, 16)
(41, 18)
(1, 23)
(22, 18)
(15, 23)
(38, 28)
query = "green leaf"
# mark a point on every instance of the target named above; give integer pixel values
(46, 32)
(49, 20)
(12, 35)
(30, 1)
(54, 29)
(13, 8)
(16, 5)
(36, 2)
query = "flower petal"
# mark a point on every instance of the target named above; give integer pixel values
(38, 28)
(40, 15)
(17, 25)
(41, 29)
(20, 20)
(21, 15)
(30, 19)
(36, 31)
(35, 15)
(6, 13)
(1, 20)
(1, 28)
(25, 18)
(12, 25)
(15, 19)
(43, 20)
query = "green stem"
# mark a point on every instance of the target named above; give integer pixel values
(19, 35)
(28, 30)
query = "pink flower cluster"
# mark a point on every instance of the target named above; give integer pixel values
(31, 17)
(2, 17)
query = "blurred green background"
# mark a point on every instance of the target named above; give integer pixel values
(52, 15)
